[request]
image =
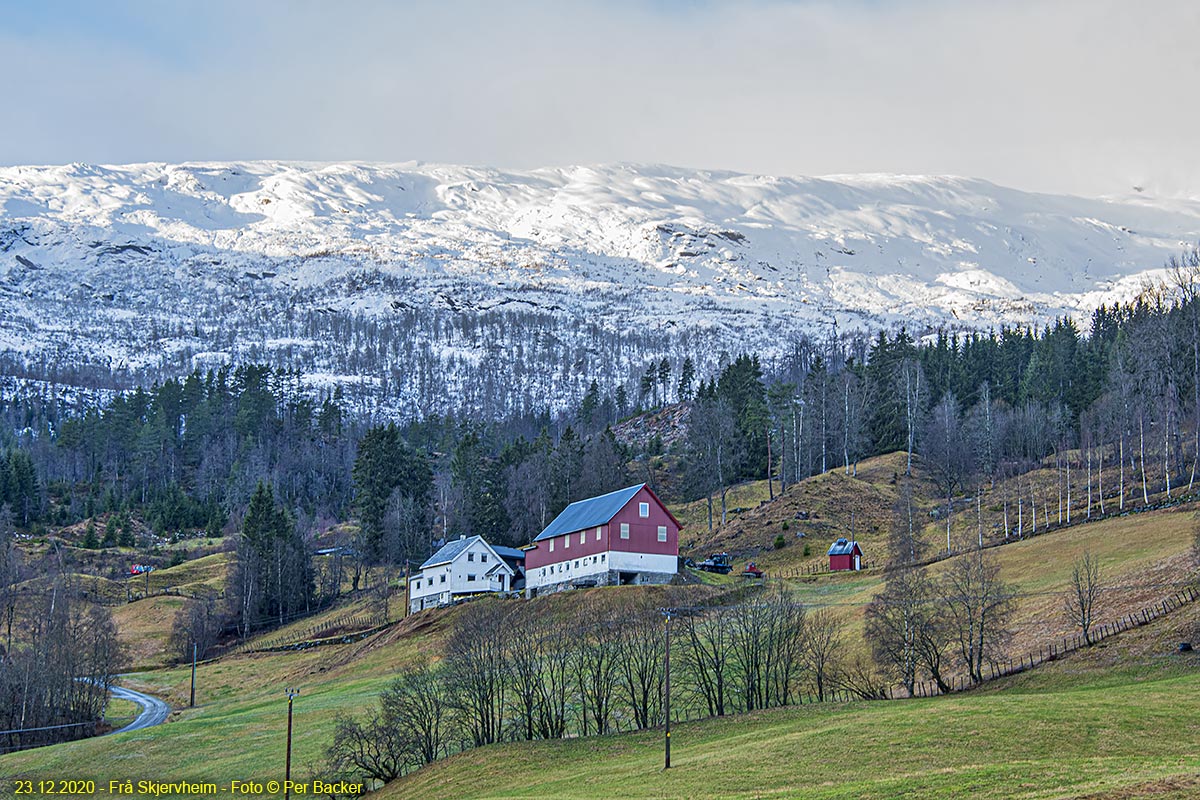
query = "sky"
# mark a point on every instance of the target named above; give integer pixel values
(1073, 96)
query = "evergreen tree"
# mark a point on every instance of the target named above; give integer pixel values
(90, 541)
(687, 375)
(741, 389)
(386, 465)
(273, 573)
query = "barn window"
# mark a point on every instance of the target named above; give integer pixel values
(583, 537)
(551, 545)
(597, 533)
(624, 530)
(662, 533)
(567, 540)
(643, 510)
(471, 578)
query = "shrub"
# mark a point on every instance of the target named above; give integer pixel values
(780, 541)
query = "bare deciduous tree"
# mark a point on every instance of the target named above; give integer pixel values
(823, 646)
(978, 606)
(478, 670)
(1083, 594)
(896, 620)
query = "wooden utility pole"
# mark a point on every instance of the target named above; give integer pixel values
(406, 594)
(287, 770)
(667, 690)
(192, 701)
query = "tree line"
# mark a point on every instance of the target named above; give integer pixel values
(58, 653)
(516, 671)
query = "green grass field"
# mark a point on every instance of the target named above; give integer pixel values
(1074, 742)
(1120, 720)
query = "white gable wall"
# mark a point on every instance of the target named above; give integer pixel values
(440, 584)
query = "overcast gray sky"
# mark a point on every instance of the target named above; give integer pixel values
(1083, 96)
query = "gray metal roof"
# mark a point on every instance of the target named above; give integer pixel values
(589, 513)
(509, 552)
(450, 551)
(843, 547)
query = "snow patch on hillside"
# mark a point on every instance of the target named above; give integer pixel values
(168, 264)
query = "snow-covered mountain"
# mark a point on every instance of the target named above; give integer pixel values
(419, 281)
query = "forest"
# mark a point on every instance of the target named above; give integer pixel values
(250, 453)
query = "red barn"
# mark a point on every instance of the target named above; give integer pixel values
(623, 537)
(845, 554)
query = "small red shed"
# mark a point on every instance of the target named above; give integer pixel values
(845, 554)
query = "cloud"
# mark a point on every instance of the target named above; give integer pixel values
(1083, 96)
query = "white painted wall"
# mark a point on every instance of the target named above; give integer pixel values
(643, 562)
(441, 583)
(587, 566)
(569, 570)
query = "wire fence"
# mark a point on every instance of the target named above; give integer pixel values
(1058, 647)
(27, 738)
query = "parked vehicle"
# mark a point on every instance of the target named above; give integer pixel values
(717, 562)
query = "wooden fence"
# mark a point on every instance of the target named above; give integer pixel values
(815, 568)
(1060, 647)
(351, 625)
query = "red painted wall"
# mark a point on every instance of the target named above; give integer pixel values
(846, 561)
(643, 535)
(540, 556)
(643, 531)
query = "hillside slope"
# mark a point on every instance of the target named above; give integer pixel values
(163, 266)
(1138, 740)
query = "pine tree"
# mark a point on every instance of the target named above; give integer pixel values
(687, 374)
(90, 542)
(273, 573)
(386, 464)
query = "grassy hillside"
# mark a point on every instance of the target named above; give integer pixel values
(237, 729)
(1115, 718)
(816, 511)
(1084, 741)
(1143, 558)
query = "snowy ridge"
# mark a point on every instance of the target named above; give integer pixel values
(162, 266)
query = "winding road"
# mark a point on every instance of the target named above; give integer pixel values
(154, 711)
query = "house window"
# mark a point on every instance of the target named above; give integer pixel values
(470, 556)
(597, 533)
(576, 565)
(662, 533)
(551, 545)
(483, 557)
(583, 537)
(418, 584)
(624, 530)
(442, 579)
(643, 510)
(602, 556)
(567, 540)
(471, 578)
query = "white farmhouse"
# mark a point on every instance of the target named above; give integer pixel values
(463, 568)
